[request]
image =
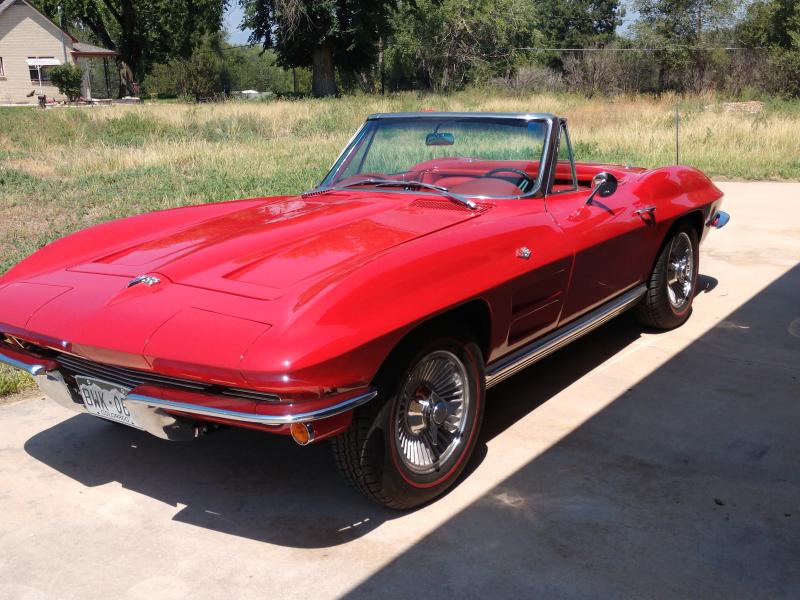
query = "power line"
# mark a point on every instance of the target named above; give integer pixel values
(226, 48)
(664, 49)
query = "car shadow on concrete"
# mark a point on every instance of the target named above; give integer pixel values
(266, 488)
(685, 486)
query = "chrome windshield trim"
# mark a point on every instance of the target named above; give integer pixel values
(462, 115)
(349, 146)
(536, 191)
(231, 415)
(505, 367)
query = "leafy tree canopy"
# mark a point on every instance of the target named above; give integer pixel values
(771, 23)
(444, 44)
(144, 32)
(322, 34)
(578, 23)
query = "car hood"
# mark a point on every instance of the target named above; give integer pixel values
(264, 249)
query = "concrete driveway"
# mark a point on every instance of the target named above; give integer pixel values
(631, 465)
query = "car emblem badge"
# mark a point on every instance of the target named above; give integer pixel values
(145, 279)
(524, 253)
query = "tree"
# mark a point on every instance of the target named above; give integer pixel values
(771, 23)
(144, 32)
(683, 28)
(773, 27)
(256, 69)
(445, 44)
(578, 23)
(198, 77)
(685, 21)
(322, 34)
(67, 78)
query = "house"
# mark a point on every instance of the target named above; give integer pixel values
(31, 45)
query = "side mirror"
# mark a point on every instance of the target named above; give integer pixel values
(603, 184)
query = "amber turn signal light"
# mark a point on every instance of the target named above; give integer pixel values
(302, 433)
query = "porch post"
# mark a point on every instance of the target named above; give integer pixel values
(86, 79)
(105, 72)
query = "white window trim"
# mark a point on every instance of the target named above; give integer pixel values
(2, 69)
(38, 64)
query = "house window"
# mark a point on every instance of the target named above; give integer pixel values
(34, 71)
(2, 71)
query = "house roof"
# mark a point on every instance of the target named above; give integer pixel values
(84, 49)
(5, 4)
(79, 48)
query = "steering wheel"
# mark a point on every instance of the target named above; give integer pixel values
(527, 179)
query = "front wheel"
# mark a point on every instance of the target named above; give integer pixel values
(411, 444)
(670, 289)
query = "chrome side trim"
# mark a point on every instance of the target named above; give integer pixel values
(505, 367)
(18, 364)
(207, 411)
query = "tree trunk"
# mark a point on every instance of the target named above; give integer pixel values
(381, 68)
(324, 77)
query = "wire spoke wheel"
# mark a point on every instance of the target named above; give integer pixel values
(411, 445)
(680, 271)
(429, 419)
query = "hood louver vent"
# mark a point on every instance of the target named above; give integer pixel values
(437, 204)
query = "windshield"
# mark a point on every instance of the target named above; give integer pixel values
(491, 157)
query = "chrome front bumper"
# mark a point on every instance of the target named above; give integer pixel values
(154, 413)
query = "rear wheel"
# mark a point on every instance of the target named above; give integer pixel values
(670, 289)
(411, 444)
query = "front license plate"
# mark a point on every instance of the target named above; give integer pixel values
(105, 400)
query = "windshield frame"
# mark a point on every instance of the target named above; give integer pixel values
(354, 144)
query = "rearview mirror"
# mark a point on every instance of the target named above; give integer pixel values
(440, 139)
(603, 184)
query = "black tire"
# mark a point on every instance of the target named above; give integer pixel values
(369, 453)
(658, 308)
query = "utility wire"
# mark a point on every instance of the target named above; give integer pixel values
(664, 49)
(226, 48)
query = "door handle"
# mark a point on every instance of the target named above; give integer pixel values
(648, 213)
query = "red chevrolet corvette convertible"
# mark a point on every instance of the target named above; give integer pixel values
(442, 253)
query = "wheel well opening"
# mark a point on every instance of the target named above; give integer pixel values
(694, 218)
(471, 320)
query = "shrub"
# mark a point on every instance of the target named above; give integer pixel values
(197, 77)
(593, 72)
(531, 78)
(67, 78)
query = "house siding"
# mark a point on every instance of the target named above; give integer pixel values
(24, 32)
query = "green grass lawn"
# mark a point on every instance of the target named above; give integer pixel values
(65, 169)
